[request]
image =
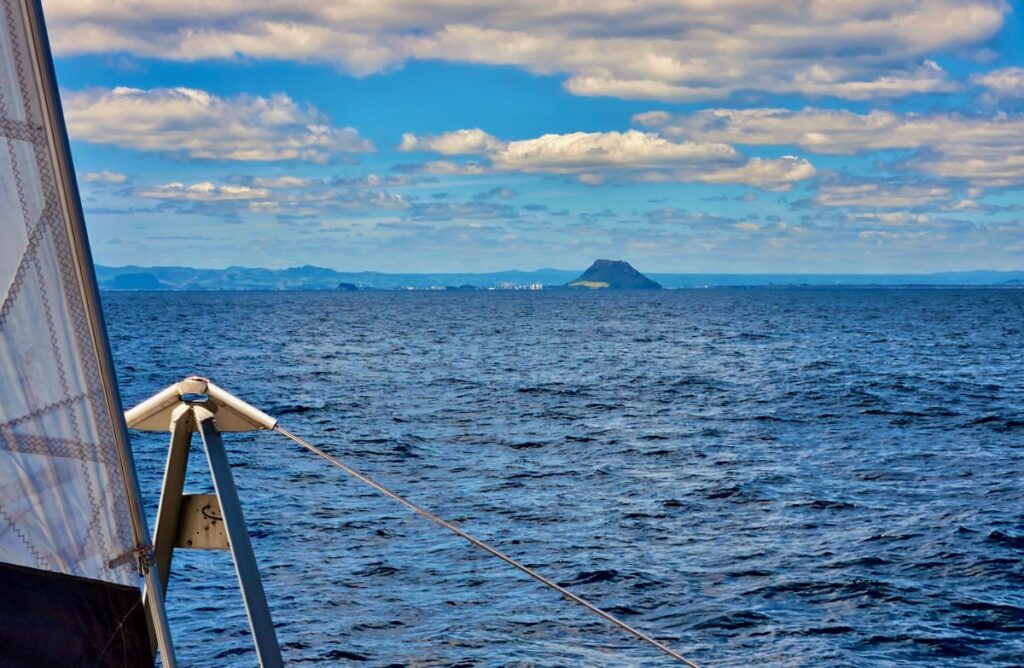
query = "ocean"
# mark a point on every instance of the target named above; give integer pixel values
(765, 476)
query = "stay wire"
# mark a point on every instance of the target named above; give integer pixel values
(419, 510)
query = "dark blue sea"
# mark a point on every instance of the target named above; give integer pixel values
(768, 476)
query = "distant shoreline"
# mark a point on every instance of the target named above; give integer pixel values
(562, 290)
(137, 278)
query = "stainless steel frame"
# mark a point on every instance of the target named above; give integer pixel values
(196, 405)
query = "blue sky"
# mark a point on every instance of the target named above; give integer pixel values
(741, 136)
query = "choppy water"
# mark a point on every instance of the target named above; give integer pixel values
(798, 477)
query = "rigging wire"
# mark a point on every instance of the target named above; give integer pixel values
(419, 510)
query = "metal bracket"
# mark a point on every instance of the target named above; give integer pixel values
(232, 414)
(201, 524)
(207, 521)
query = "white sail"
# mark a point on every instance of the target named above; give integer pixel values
(67, 501)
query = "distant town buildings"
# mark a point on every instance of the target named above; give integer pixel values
(506, 285)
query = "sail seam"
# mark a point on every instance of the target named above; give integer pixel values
(40, 561)
(35, 235)
(22, 131)
(39, 412)
(63, 293)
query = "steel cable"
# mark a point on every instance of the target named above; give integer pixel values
(485, 547)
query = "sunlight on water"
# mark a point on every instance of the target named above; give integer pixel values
(791, 477)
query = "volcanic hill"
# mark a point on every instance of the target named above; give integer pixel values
(613, 275)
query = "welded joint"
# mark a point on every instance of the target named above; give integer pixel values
(162, 410)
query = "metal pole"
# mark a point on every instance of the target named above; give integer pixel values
(169, 512)
(256, 607)
(167, 516)
(72, 205)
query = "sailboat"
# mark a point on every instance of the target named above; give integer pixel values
(82, 579)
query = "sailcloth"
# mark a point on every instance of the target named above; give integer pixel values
(66, 479)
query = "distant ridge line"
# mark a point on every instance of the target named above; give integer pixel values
(133, 277)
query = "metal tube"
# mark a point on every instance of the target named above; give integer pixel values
(264, 636)
(167, 516)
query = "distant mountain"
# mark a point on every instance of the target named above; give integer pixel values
(319, 278)
(139, 281)
(311, 278)
(613, 275)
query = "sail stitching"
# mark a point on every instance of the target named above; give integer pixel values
(39, 412)
(45, 182)
(40, 561)
(29, 258)
(22, 130)
(51, 212)
(34, 237)
(49, 194)
(66, 268)
(32, 444)
(117, 632)
(16, 171)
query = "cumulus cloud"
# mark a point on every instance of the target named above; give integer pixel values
(444, 168)
(889, 218)
(768, 174)
(283, 196)
(647, 49)
(282, 181)
(465, 210)
(880, 195)
(375, 181)
(984, 150)
(201, 192)
(597, 157)
(692, 219)
(839, 81)
(460, 142)
(496, 192)
(1007, 82)
(198, 124)
(107, 177)
(585, 151)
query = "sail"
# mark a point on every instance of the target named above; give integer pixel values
(66, 477)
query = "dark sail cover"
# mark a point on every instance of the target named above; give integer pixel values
(51, 619)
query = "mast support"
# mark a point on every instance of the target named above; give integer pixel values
(197, 405)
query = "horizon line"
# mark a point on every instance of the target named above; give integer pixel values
(528, 271)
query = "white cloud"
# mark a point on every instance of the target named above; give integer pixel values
(112, 178)
(993, 168)
(880, 195)
(282, 181)
(984, 150)
(445, 168)
(198, 124)
(282, 196)
(838, 81)
(459, 142)
(647, 49)
(893, 218)
(202, 192)
(585, 151)
(597, 157)
(1007, 82)
(768, 174)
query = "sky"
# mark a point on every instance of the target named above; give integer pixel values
(736, 136)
